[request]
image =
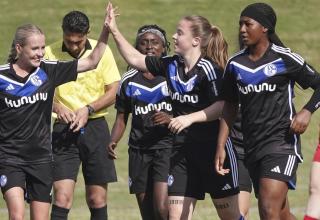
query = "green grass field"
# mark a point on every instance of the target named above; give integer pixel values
(298, 27)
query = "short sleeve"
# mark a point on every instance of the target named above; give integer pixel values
(61, 71)
(155, 65)
(108, 68)
(123, 103)
(229, 86)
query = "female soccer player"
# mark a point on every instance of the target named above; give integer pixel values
(313, 211)
(193, 76)
(150, 144)
(27, 86)
(262, 77)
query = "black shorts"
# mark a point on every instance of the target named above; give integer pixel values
(280, 167)
(34, 179)
(88, 146)
(147, 167)
(245, 183)
(193, 174)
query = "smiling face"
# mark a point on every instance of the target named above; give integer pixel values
(251, 31)
(150, 44)
(32, 51)
(183, 38)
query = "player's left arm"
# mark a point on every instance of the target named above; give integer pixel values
(82, 114)
(307, 77)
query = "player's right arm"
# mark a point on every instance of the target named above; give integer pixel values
(132, 56)
(118, 129)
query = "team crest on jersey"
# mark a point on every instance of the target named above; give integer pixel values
(270, 70)
(164, 90)
(3, 180)
(170, 180)
(35, 80)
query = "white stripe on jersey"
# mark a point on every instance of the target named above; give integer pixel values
(5, 66)
(147, 88)
(184, 83)
(11, 80)
(233, 163)
(291, 117)
(296, 148)
(208, 69)
(125, 76)
(290, 99)
(52, 61)
(288, 52)
(256, 69)
(290, 163)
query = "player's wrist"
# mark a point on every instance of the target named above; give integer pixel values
(91, 110)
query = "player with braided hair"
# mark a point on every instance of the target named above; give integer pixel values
(150, 143)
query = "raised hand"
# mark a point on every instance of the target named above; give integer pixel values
(110, 20)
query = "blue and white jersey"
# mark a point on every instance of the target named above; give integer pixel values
(143, 97)
(265, 89)
(25, 111)
(190, 92)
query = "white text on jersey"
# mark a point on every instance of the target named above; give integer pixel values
(152, 107)
(257, 88)
(26, 100)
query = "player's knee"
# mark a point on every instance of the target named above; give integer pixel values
(314, 189)
(63, 199)
(161, 212)
(267, 211)
(16, 216)
(96, 200)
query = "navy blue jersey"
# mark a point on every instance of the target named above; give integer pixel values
(25, 111)
(236, 137)
(142, 98)
(265, 90)
(190, 92)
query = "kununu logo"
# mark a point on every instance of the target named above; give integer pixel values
(184, 97)
(143, 110)
(270, 70)
(257, 88)
(26, 100)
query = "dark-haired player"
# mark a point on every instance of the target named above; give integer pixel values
(150, 144)
(85, 102)
(261, 77)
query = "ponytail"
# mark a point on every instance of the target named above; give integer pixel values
(273, 38)
(217, 48)
(12, 57)
(213, 44)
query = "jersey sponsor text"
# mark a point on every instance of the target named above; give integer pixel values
(257, 88)
(26, 100)
(139, 110)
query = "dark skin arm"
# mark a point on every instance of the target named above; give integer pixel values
(118, 129)
(161, 118)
